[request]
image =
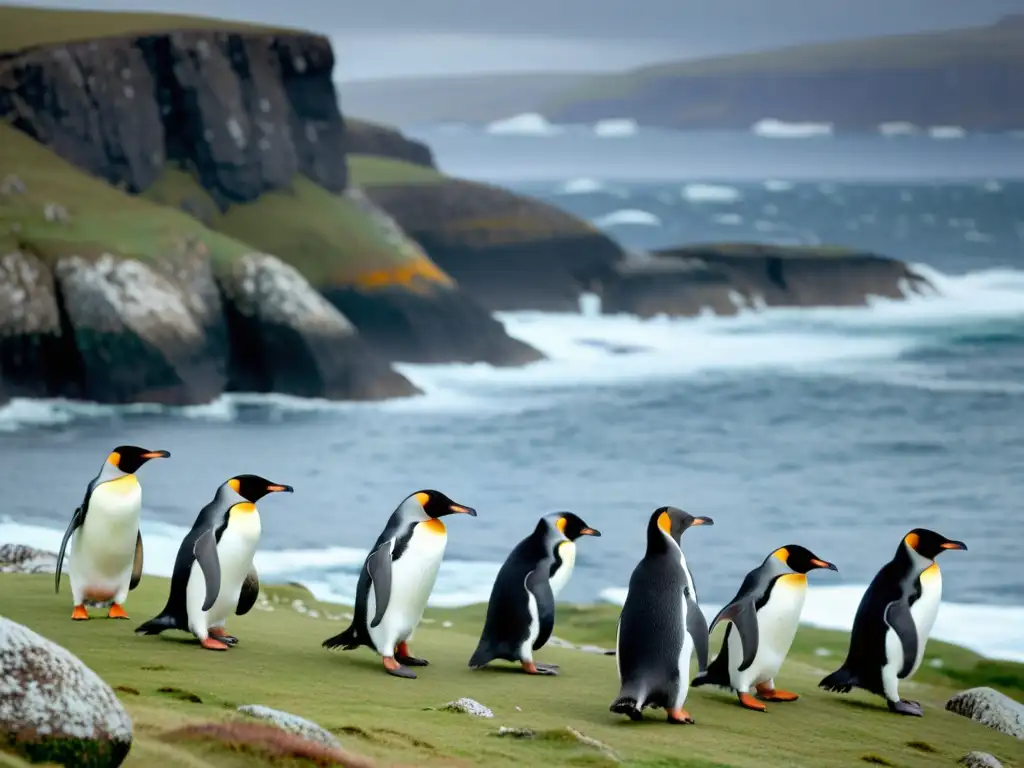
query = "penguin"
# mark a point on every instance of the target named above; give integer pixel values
(763, 618)
(661, 625)
(521, 609)
(213, 571)
(396, 580)
(893, 621)
(106, 553)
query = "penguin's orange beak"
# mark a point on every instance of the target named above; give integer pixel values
(823, 564)
(589, 532)
(458, 508)
(280, 489)
(955, 545)
(702, 521)
(157, 455)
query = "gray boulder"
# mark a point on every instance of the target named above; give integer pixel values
(18, 558)
(979, 760)
(286, 721)
(991, 708)
(55, 709)
(468, 707)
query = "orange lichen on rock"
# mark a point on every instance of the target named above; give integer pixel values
(417, 270)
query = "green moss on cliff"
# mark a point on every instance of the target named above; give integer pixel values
(367, 170)
(22, 28)
(389, 719)
(99, 218)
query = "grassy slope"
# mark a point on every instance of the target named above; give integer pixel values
(22, 27)
(279, 663)
(367, 170)
(100, 218)
(998, 44)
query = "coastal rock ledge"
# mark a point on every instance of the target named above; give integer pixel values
(53, 708)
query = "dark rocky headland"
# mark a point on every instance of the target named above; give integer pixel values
(185, 211)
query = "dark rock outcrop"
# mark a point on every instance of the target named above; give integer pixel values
(288, 338)
(728, 278)
(53, 708)
(508, 251)
(246, 111)
(363, 137)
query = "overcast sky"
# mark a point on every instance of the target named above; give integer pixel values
(387, 38)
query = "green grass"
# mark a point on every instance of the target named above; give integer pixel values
(367, 170)
(279, 663)
(1002, 44)
(101, 218)
(22, 28)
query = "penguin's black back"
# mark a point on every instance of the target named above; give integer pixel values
(508, 614)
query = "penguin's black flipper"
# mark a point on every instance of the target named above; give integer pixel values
(136, 564)
(901, 621)
(205, 550)
(743, 616)
(76, 520)
(250, 592)
(378, 565)
(540, 587)
(697, 626)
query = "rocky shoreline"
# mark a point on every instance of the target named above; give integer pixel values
(187, 212)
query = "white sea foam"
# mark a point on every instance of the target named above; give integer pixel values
(946, 132)
(628, 216)
(991, 630)
(581, 186)
(616, 128)
(778, 185)
(898, 129)
(711, 193)
(526, 124)
(770, 128)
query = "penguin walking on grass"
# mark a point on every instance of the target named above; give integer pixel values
(396, 580)
(894, 620)
(661, 626)
(213, 572)
(521, 609)
(106, 552)
(763, 618)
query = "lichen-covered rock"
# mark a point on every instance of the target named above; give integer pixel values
(990, 707)
(468, 707)
(287, 338)
(979, 760)
(33, 351)
(138, 335)
(18, 558)
(55, 709)
(300, 726)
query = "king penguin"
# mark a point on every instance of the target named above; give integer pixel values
(213, 572)
(764, 616)
(521, 609)
(661, 625)
(893, 621)
(396, 580)
(106, 553)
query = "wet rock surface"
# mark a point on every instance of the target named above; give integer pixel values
(990, 707)
(55, 709)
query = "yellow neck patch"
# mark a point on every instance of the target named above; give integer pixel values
(114, 458)
(560, 524)
(782, 554)
(912, 540)
(931, 572)
(433, 525)
(423, 499)
(665, 523)
(242, 508)
(122, 485)
(794, 579)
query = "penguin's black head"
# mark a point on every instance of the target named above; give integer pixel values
(674, 521)
(929, 543)
(128, 458)
(253, 487)
(800, 559)
(436, 504)
(572, 526)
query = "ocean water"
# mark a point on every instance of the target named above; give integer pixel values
(838, 429)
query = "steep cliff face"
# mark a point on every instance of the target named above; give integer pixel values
(363, 137)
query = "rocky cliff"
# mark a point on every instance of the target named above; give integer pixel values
(154, 305)
(363, 137)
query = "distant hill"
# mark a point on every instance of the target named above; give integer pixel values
(470, 98)
(973, 78)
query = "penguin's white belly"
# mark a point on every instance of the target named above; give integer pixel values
(685, 655)
(777, 622)
(103, 547)
(567, 552)
(924, 611)
(412, 580)
(526, 649)
(235, 552)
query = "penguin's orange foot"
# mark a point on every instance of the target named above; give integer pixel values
(750, 702)
(403, 656)
(394, 668)
(680, 717)
(212, 644)
(116, 612)
(774, 694)
(222, 634)
(532, 669)
(79, 614)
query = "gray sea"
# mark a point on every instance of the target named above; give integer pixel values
(836, 429)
